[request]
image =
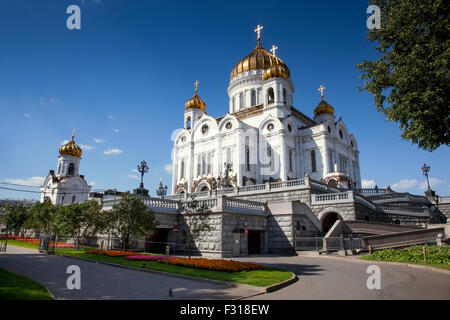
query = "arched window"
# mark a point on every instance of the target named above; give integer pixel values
(247, 153)
(253, 98)
(73, 199)
(182, 169)
(284, 96)
(59, 168)
(199, 166)
(270, 96)
(241, 101)
(188, 123)
(341, 134)
(71, 170)
(290, 160)
(209, 164)
(313, 161)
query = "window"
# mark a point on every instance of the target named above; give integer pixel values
(182, 169)
(241, 101)
(284, 96)
(73, 199)
(253, 97)
(59, 168)
(270, 96)
(329, 129)
(290, 160)
(351, 143)
(233, 104)
(331, 162)
(199, 165)
(341, 134)
(209, 164)
(71, 170)
(247, 153)
(203, 165)
(313, 161)
(271, 156)
(188, 123)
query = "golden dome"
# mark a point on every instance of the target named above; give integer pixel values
(323, 108)
(195, 102)
(276, 70)
(71, 149)
(258, 59)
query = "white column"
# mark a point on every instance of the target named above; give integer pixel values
(283, 168)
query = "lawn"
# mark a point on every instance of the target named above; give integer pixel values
(17, 287)
(260, 278)
(437, 256)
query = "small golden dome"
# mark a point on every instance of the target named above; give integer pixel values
(323, 108)
(71, 149)
(258, 59)
(276, 70)
(195, 102)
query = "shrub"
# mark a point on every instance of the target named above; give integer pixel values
(414, 254)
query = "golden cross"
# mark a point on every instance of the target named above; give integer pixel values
(258, 31)
(196, 85)
(73, 133)
(273, 50)
(321, 89)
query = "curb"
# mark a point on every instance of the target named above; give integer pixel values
(261, 290)
(401, 264)
(51, 294)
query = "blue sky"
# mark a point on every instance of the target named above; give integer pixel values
(122, 81)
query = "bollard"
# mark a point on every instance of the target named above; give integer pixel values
(167, 254)
(425, 254)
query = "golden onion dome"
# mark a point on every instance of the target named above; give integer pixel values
(195, 102)
(258, 59)
(71, 149)
(276, 70)
(323, 108)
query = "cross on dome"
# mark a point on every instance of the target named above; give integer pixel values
(196, 85)
(258, 31)
(321, 89)
(274, 50)
(73, 133)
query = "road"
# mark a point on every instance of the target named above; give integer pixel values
(333, 278)
(99, 281)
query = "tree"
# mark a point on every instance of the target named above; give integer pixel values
(413, 69)
(197, 216)
(43, 219)
(130, 217)
(15, 217)
(80, 220)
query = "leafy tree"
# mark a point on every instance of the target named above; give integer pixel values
(80, 220)
(410, 81)
(15, 217)
(197, 217)
(130, 217)
(43, 219)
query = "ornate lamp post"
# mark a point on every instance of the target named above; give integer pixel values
(143, 169)
(429, 193)
(161, 191)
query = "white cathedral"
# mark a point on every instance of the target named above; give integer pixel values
(263, 137)
(67, 185)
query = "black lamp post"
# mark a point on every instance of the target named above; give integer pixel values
(143, 169)
(425, 170)
(161, 191)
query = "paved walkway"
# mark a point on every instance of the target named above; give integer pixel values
(332, 278)
(100, 281)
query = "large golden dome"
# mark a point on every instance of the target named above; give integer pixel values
(71, 149)
(258, 59)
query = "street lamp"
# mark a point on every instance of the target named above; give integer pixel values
(425, 170)
(161, 191)
(143, 169)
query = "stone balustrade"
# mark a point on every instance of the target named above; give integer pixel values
(332, 198)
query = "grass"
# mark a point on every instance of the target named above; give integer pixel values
(17, 287)
(259, 278)
(437, 256)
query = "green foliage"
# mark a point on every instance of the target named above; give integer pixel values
(129, 217)
(15, 218)
(410, 81)
(197, 216)
(17, 287)
(414, 254)
(43, 218)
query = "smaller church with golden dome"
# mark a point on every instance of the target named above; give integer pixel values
(67, 185)
(263, 137)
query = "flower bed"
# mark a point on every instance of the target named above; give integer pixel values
(112, 253)
(27, 240)
(145, 257)
(216, 265)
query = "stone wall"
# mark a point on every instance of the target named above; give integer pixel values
(281, 234)
(445, 209)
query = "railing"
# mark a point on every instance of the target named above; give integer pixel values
(245, 204)
(256, 187)
(444, 199)
(404, 210)
(225, 191)
(371, 191)
(287, 184)
(161, 203)
(331, 198)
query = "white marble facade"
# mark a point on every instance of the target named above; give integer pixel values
(263, 136)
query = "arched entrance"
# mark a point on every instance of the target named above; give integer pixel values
(329, 219)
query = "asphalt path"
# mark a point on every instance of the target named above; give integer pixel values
(333, 278)
(99, 281)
